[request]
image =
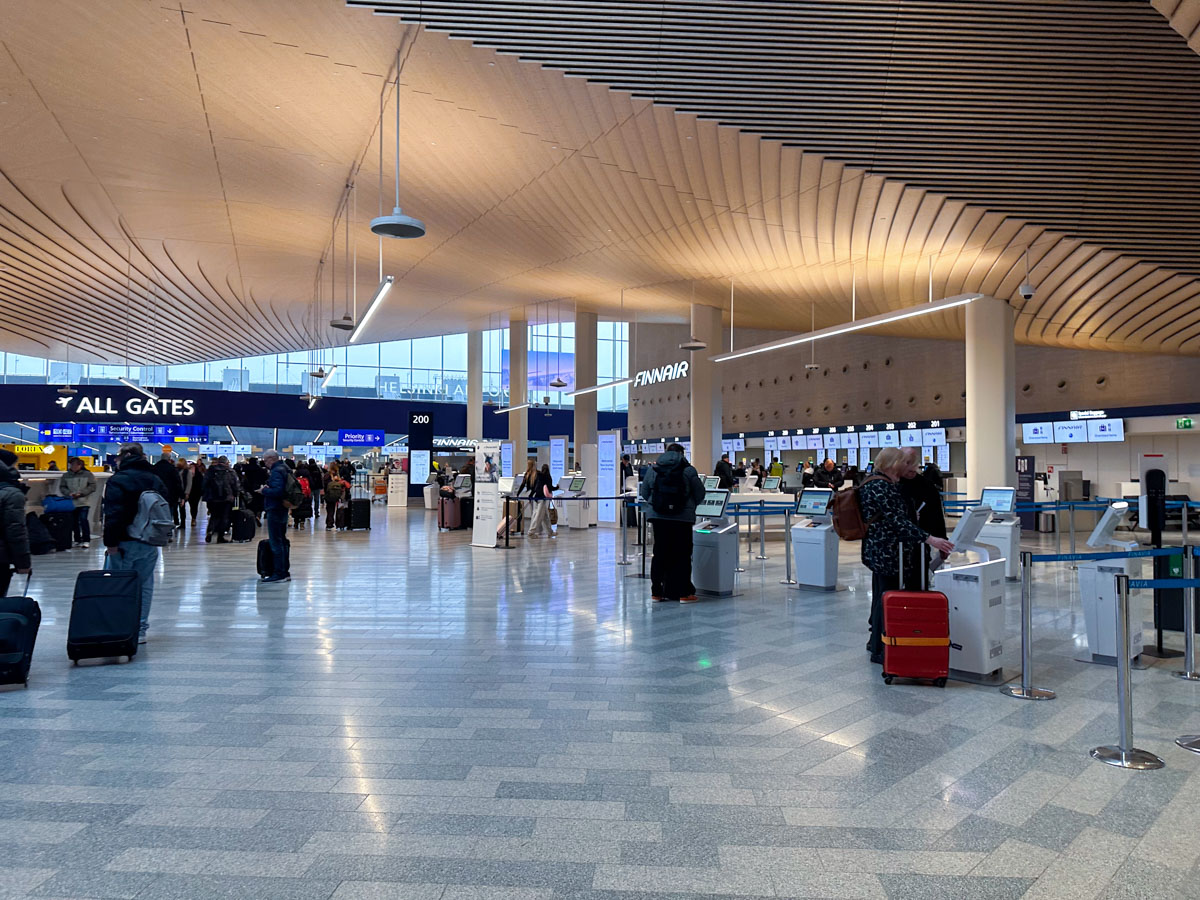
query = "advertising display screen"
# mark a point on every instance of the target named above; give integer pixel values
(868, 439)
(713, 504)
(1037, 433)
(418, 466)
(943, 457)
(1070, 432)
(813, 442)
(1105, 430)
(910, 437)
(814, 502)
(933, 437)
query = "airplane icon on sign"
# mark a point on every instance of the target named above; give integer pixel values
(63, 401)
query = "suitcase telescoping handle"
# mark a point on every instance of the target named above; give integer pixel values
(28, 578)
(922, 568)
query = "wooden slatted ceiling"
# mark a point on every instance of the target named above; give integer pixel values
(1082, 115)
(215, 168)
(1184, 16)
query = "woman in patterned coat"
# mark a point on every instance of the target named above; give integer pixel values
(890, 523)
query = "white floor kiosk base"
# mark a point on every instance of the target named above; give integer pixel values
(431, 495)
(976, 594)
(1006, 536)
(1098, 590)
(814, 542)
(714, 547)
(579, 512)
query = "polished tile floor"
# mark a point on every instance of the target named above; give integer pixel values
(414, 718)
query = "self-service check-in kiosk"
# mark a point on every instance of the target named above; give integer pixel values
(1098, 589)
(976, 595)
(712, 482)
(1003, 529)
(771, 483)
(714, 546)
(579, 513)
(814, 542)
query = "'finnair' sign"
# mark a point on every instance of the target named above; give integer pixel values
(662, 373)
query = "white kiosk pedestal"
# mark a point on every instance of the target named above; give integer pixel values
(814, 542)
(1098, 590)
(976, 595)
(431, 496)
(579, 512)
(1005, 534)
(714, 546)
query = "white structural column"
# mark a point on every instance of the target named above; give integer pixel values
(475, 385)
(706, 388)
(991, 397)
(518, 391)
(585, 375)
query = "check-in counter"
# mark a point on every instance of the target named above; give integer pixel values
(42, 483)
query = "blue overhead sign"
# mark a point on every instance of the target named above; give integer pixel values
(360, 438)
(114, 433)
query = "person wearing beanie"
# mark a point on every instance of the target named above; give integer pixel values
(14, 537)
(134, 477)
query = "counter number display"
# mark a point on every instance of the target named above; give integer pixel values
(910, 437)
(868, 439)
(1070, 432)
(1037, 433)
(1105, 430)
(933, 437)
(889, 438)
(713, 504)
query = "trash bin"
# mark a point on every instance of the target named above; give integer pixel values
(1045, 522)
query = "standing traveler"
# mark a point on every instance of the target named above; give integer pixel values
(739, 471)
(626, 471)
(934, 476)
(829, 475)
(14, 538)
(168, 474)
(923, 498)
(278, 493)
(890, 522)
(724, 471)
(304, 477)
(78, 484)
(673, 488)
(543, 490)
(335, 490)
(256, 477)
(195, 488)
(776, 467)
(221, 488)
(524, 492)
(316, 483)
(122, 505)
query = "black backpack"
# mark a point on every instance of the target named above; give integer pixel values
(40, 541)
(669, 495)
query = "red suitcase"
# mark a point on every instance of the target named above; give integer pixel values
(916, 634)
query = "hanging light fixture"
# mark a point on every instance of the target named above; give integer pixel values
(693, 343)
(558, 383)
(397, 225)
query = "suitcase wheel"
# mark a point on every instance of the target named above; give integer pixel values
(887, 679)
(940, 682)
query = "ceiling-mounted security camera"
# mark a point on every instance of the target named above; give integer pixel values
(1026, 290)
(693, 344)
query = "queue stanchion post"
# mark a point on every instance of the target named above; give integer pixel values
(787, 547)
(1184, 522)
(624, 560)
(1071, 514)
(737, 515)
(1124, 755)
(507, 526)
(1026, 690)
(1057, 527)
(1190, 596)
(762, 530)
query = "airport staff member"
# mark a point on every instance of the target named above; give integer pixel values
(673, 487)
(724, 471)
(828, 476)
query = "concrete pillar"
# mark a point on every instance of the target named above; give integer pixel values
(706, 388)
(585, 375)
(518, 391)
(475, 385)
(991, 395)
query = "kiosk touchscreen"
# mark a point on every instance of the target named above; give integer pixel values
(462, 485)
(714, 542)
(505, 483)
(771, 483)
(1004, 529)
(576, 484)
(976, 595)
(712, 482)
(1098, 589)
(748, 483)
(814, 542)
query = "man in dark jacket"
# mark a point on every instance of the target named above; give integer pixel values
(221, 488)
(134, 476)
(828, 476)
(672, 514)
(168, 474)
(724, 471)
(923, 498)
(276, 513)
(14, 538)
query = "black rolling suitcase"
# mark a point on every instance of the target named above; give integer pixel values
(60, 525)
(358, 514)
(40, 542)
(266, 559)
(106, 615)
(244, 527)
(19, 621)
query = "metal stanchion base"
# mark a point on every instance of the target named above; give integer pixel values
(1127, 759)
(762, 557)
(1189, 742)
(791, 581)
(1018, 692)
(1187, 676)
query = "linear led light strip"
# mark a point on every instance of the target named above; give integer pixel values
(137, 387)
(871, 322)
(600, 387)
(509, 409)
(376, 302)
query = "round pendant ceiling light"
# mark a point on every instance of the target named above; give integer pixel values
(397, 225)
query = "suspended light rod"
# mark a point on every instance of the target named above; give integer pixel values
(600, 387)
(137, 387)
(861, 325)
(376, 302)
(509, 409)
(328, 377)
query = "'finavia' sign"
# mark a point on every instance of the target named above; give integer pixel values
(662, 373)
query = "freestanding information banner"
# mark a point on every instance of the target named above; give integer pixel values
(487, 494)
(1025, 490)
(558, 458)
(420, 450)
(608, 470)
